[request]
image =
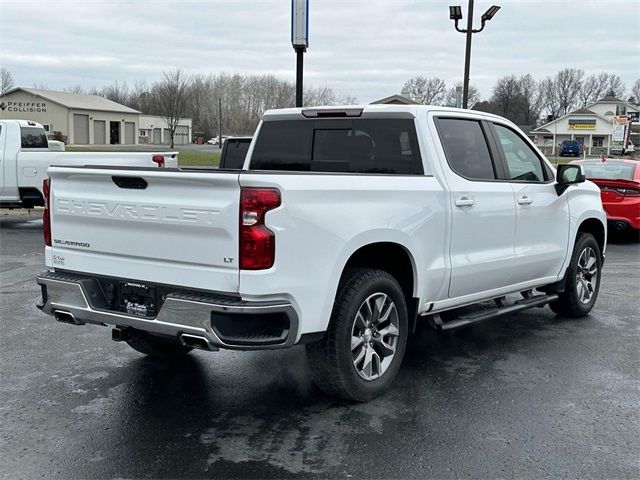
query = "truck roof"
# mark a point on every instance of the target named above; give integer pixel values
(21, 123)
(367, 110)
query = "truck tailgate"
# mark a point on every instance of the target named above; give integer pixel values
(160, 226)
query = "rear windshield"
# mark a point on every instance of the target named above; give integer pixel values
(234, 153)
(609, 171)
(345, 145)
(34, 137)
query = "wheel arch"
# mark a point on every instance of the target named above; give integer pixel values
(596, 228)
(395, 259)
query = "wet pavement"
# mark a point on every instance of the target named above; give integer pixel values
(529, 395)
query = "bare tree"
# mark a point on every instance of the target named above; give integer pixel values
(6, 80)
(530, 99)
(596, 86)
(506, 96)
(76, 89)
(474, 95)
(173, 96)
(635, 93)
(428, 91)
(116, 92)
(568, 84)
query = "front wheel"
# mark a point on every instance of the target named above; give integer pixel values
(361, 353)
(582, 279)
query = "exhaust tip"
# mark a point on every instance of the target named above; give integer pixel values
(66, 317)
(621, 226)
(196, 341)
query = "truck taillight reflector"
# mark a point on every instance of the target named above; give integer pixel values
(257, 242)
(46, 217)
(159, 159)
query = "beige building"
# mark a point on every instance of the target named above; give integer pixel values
(591, 126)
(155, 130)
(80, 119)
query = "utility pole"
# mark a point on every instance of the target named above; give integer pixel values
(455, 14)
(220, 121)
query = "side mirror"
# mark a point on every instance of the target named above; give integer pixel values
(568, 174)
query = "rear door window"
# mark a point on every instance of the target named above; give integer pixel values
(34, 137)
(466, 148)
(329, 145)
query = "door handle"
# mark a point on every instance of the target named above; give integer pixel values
(524, 200)
(464, 202)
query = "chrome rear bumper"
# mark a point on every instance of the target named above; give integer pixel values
(181, 313)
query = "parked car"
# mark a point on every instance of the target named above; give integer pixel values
(619, 182)
(25, 157)
(570, 148)
(216, 140)
(618, 150)
(348, 225)
(234, 152)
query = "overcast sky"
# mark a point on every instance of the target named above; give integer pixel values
(365, 48)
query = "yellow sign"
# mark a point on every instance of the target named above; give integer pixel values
(582, 126)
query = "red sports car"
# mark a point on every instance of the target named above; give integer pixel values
(619, 182)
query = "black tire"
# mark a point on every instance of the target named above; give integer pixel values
(570, 304)
(330, 359)
(148, 344)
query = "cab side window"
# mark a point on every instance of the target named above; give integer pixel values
(523, 163)
(466, 149)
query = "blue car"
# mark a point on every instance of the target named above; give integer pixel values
(570, 147)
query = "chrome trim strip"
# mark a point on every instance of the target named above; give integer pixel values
(177, 315)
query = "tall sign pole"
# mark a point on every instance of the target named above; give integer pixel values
(299, 40)
(467, 56)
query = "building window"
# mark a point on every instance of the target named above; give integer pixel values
(598, 141)
(48, 128)
(621, 109)
(143, 133)
(547, 141)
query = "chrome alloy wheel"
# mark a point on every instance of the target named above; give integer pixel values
(587, 275)
(374, 336)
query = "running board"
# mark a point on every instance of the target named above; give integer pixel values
(466, 320)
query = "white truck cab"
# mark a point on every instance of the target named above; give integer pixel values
(345, 225)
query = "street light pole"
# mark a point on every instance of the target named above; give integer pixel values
(299, 75)
(299, 40)
(467, 56)
(455, 14)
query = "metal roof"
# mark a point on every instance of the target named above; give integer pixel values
(77, 101)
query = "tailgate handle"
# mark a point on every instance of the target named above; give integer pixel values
(135, 183)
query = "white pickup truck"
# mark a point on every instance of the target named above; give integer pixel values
(25, 158)
(344, 227)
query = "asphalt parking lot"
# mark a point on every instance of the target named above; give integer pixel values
(529, 395)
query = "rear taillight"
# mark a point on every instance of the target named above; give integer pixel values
(46, 217)
(159, 159)
(628, 192)
(257, 242)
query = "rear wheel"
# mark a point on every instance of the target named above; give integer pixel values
(361, 353)
(148, 344)
(582, 279)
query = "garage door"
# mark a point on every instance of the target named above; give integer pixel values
(99, 132)
(156, 136)
(129, 133)
(181, 136)
(80, 129)
(167, 137)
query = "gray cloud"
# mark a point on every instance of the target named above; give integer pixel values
(364, 48)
